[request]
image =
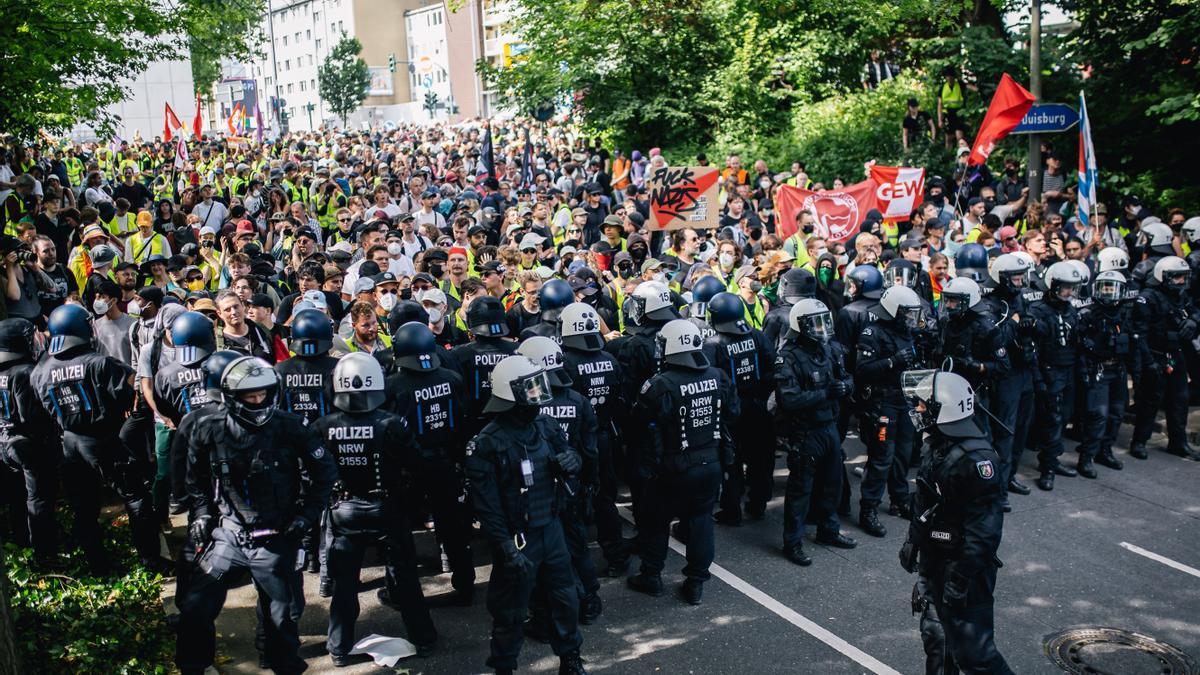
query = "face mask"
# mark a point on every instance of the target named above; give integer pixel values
(387, 301)
(435, 315)
(726, 260)
(825, 274)
(395, 249)
(764, 183)
(1011, 173)
(757, 234)
(807, 229)
(989, 203)
(133, 309)
(659, 278)
(625, 271)
(100, 307)
(406, 294)
(435, 269)
(843, 260)
(821, 252)
(197, 285)
(937, 198)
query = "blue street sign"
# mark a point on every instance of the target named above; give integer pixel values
(1047, 118)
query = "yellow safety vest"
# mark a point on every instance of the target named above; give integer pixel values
(801, 250)
(449, 289)
(952, 97)
(22, 213)
(327, 217)
(891, 233)
(141, 249)
(75, 170)
(383, 337)
(618, 295)
(756, 314)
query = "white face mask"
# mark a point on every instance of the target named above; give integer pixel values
(100, 307)
(387, 301)
(659, 277)
(395, 249)
(820, 252)
(726, 260)
(133, 309)
(435, 315)
(843, 259)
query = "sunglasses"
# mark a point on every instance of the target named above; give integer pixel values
(529, 250)
(343, 220)
(388, 291)
(573, 230)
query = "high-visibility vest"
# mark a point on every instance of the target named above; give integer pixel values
(114, 226)
(756, 313)
(449, 289)
(891, 233)
(237, 185)
(327, 216)
(623, 246)
(75, 171)
(131, 164)
(104, 160)
(142, 248)
(23, 212)
(801, 249)
(952, 96)
(383, 337)
(618, 296)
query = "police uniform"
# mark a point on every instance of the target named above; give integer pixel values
(807, 400)
(685, 413)
(89, 394)
(1057, 336)
(749, 362)
(973, 346)
(956, 528)
(178, 390)
(434, 403)
(250, 480)
(1012, 396)
(29, 447)
(884, 425)
(1110, 353)
(376, 456)
(511, 465)
(849, 322)
(306, 385)
(1166, 322)
(474, 361)
(597, 376)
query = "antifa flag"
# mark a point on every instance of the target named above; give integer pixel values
(838, 212)
(527, 162)
(1009, 104)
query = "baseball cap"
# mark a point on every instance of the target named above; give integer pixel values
(317, 298)
(636, 218)
(103, 255)
(245, 226)
(578, 211)
(364, 285)
(125, 265)
(476, 229)
(651, 264)
(491, 267)
(531, 240)
(306, 232)
(261, 300)
(434, 295)
(1006, 232)
(1101, 208)
(384, 278)
(144, 219)
(580, 286)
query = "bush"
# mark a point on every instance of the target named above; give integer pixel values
(72, 622)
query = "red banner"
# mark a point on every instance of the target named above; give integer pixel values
(838, 213)
(1009, 104)
(900, 190)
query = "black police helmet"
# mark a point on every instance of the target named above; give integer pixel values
(727, 314)
(797, 284)
(312, 333)
(70, 326)
(555, 295)
(16, 340)
(868, 280)
(705, 288)
(415, 347)
(404, 312)
(485, 317)
(192, 335)
(213, 367)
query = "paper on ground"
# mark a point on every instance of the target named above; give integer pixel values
(386, 651)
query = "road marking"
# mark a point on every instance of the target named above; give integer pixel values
(786, 613)
(1162, 559)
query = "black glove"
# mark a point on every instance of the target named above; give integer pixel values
(908, 556)
(569, 462)
(1189, 330)
(297, 528)
(906, 357)
(954, 593)
(840, 388)
(200, 531)
(516, 562)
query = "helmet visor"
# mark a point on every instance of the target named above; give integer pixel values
(955, 303)
(1065, 290)
(1108, 290)
(1017, 279)
(917, 385)
(819, 327)
(899, 276)
(1176, 279)
(533, 389)
(909, 316)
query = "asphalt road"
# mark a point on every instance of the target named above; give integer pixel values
(1082, 555)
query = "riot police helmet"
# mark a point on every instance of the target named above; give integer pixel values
(1157, 237)
(703, 291)
(250, 389)
(415, 347)
(579, 327)
(971, 262)
(517, 381)
(959, 295)
(553, 296)
(16, 340)
(864, 281)
(485, 317)
(70, 326)
(900, 272)
(546, 353)
(1172, 273)
(938, 398)
(653, 300)
(796, 284)
(358, 383)
(1010, 271)
(192, 335)
(812, 320)
(312, 333)
(727, 314)
(1109, 287)
(1084, 270)
(1191, 231)
(902, 305)
(1062, 280)
(1112, 259)
(680, 344)
(214, 367)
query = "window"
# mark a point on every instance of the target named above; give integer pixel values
(313, 83)
(287, 65)
(284, 40)
(297, 37)
(290, 87)
(316, 17)
(341, 27)
(308, 34)
(302, 83)
(318, 43)
(310, 59)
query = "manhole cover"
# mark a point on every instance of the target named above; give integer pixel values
(1112, 651)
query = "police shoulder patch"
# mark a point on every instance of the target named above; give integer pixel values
(985, 469)
(1001, 352)
(867, 331)
(318, 452)
(470, 447)
(646, 386)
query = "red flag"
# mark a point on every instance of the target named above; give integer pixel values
(1009, 104)
(197, 124)
(171, 123)
(838, 212)
(900, 190)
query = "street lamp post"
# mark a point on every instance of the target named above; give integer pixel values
(1033, 169)
(309, 107)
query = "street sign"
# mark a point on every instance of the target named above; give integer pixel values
(1047, 118)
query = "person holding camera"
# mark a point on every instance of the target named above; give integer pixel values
(23, 280)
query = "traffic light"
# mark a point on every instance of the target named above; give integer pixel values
(431, 103)
(392, 62)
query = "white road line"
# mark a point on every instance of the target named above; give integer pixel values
(787, 613)
(1162, 559)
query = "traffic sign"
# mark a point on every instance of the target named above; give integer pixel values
(1047, 118)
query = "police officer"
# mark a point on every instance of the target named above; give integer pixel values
(703, 292)
(744, 354)
(577, 418)
(514, 465)
(306, 380)
(1191, 235)
(249, 511)
(1165, 316)
(475, 360)
(597, 376)
(1157, 242)
(864, 285)
(1109, 355)
(926, 335)
(885, 349)
(434, 401)
(809, 380)
(795, 285)
(552, 297)
(685, 410)
(956, 526)
(971, 345)
(376, 457)
(89, 394)
(1113, 259)
(1057, 336)
(1013, 392)
(27, 442)
(179, 388)
(971, 262)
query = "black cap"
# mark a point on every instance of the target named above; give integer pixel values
(151, 294)
(261, 300)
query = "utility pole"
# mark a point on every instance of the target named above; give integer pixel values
(1033, 168)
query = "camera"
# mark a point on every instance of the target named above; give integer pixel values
(204, 243)
(287, 232)
(24, 255)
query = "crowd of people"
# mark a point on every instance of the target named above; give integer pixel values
(314, 345)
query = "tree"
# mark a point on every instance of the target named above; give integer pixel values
(65, 64)
(344, 77)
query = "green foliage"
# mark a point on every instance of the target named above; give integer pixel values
(63, 62)
(71, 622)
(344, 77)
